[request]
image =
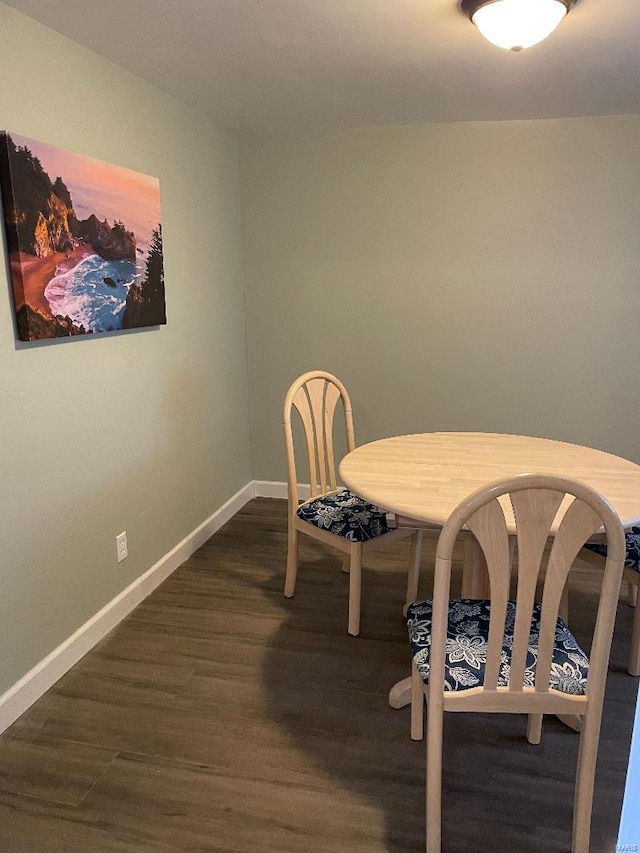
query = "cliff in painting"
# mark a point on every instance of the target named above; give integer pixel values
(84, 239)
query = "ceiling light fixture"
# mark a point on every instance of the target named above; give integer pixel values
(516, 24)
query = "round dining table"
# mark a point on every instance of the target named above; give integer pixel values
(421, 478)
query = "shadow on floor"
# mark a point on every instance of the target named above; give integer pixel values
(329, 691)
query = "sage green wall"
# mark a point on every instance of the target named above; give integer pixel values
(473, 276)
(145, 431)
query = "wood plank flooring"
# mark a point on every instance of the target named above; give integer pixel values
(222, 718)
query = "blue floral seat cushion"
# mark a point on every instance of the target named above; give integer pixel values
(466, 647)
(632, 540)
(345, 514)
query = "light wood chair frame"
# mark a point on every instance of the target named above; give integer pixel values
(535, 500)
(633, 584)
(315, 396)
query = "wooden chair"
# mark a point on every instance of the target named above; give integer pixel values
(332, 514)
(503, 656)
(596, 553)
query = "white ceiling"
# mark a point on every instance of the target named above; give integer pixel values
(265, 65)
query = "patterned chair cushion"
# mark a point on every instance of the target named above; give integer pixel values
(466, 649)
(632, 538)
(345, 514)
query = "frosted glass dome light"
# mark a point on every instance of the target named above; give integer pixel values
(516, 24)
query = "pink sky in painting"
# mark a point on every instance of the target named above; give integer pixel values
(111, 192)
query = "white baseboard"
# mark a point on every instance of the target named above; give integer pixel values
(273, 489)
(269, 489)
(44, 675)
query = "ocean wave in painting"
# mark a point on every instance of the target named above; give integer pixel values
(93, 293)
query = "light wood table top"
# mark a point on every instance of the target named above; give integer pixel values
(425, 476)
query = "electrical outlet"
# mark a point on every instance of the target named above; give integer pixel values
(121, 546)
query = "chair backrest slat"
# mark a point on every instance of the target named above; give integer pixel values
(534, 512)
(314, 390)
(304, 408)
(332, 395)
(315, 396)
(489, 527)
(577, 526)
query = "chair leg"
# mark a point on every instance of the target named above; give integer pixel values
(634, 657)
(534, 728)
(417, 704)
(292, 561)
(414, 569)
(355, 577)
(434, 780)
(632, 593)
(585, 776)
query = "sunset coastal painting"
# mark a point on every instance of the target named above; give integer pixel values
(84, 239)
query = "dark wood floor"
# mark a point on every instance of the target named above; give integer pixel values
(221, 717)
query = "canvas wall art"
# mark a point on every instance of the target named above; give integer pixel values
(84, 239)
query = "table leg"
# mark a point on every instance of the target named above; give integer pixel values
(413, 578)
(400, 694)
(475, 578)
(574, 721)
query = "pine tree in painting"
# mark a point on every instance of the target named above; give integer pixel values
(145, 302)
